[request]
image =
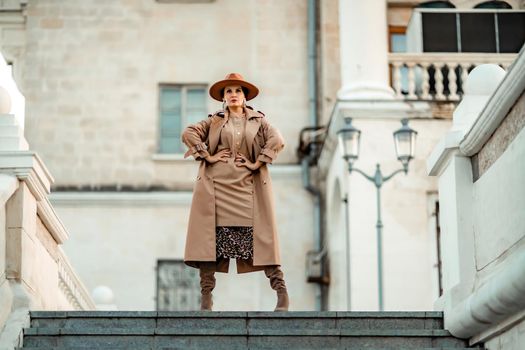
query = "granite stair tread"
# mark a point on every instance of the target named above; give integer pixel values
(132, 330)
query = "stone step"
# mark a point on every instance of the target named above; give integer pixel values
(228, 340)
(232, 342)
(222, 320)
(251, 347)
(238, 330)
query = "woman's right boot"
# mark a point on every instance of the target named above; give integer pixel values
(276, 276)
(207, 274)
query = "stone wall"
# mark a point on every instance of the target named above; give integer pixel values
(408, 215)
(481, 169)
(92, 70)
(34, 272)
(500, 140)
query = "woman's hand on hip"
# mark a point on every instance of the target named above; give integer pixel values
(222, 156)
(241, 160)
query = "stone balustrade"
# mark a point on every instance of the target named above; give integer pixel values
(71, 286)
(437, 76)
(480, 167)
(35, 274)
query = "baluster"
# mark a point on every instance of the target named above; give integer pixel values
(452, 85)
(464, 75)
(411, 81)
(438, 76)
(425, 85)
(397, 79)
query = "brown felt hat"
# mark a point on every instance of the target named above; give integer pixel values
(233, 79)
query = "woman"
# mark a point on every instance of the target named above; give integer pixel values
(232, 211)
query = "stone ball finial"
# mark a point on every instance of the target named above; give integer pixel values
(481, 83)
(5, 101)
(484, 79)
(103, 295)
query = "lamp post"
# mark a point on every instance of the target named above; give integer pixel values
(404, 141)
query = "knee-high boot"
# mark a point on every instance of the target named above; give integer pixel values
(207, 275)
(276, 276)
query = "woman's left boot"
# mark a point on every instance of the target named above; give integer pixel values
(276, 276)
(207, 275)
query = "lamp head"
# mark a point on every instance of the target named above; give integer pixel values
(349, 137)
(405, 143)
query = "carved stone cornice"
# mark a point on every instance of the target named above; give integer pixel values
(496, 109)
(27, 166)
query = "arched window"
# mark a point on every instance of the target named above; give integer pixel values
(493, 5)
(437, 5)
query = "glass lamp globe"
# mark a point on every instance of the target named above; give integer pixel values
(405, 142)
(349, 137)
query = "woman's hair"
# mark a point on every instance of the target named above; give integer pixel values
(245, 90)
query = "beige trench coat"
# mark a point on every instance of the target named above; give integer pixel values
(264, 142)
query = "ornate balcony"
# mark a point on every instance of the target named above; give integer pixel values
(437, 76)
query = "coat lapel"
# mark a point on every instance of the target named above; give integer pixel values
(253, 124)
(215, 131)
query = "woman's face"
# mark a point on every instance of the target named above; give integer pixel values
(234, 96)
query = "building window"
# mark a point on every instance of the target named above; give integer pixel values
(491, 31)
(178, 286)
(437, 5)
(493, 5)
(180, 105)
(397, 43)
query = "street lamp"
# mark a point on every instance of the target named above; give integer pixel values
(405, 142)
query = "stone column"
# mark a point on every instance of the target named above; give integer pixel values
(364, 50)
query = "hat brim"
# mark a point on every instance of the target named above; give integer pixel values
(216, 89)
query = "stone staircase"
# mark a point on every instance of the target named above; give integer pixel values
(238, 330)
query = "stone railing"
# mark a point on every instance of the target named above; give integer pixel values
(35, 274)
(480, 167)
(71, 286)
(437, 76)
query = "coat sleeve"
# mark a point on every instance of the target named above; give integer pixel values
(273, 144)
(194, 137)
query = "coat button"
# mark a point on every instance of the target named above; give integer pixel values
(264, 182)
(198, 177)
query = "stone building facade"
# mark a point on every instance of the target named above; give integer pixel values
(94, 74)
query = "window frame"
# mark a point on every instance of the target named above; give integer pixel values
(160, 154)
(192, 276)
(392, 30)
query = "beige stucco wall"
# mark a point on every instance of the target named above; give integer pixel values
(329, 58)
(410, 253)
(92, 72)
(409, 240)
